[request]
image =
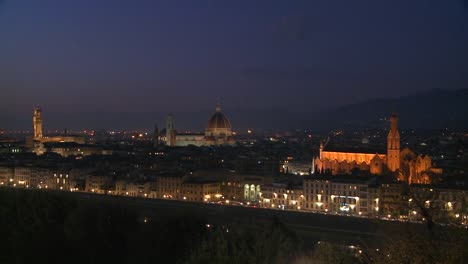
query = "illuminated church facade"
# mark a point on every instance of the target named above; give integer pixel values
(408, 166)
(218, 132)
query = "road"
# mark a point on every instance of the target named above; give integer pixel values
(310, 227)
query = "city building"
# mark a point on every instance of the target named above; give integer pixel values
(142, 189)
(170, 186)
(6, 174)
(393, 200)
(279, 196)
(28, 175)
(408, 166)
(297, 167)
(442, 203)
(67, 149)
(217, 132)
(341, 194)
(99, 184)
(65, 145)
(195, 190)
(40, 138)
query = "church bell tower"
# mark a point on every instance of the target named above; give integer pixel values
(393, 145)
(155, 136)
(170, 131)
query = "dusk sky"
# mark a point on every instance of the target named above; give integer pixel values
(106, 56)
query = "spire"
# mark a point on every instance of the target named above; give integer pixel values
(170, 131)
(155, 136)
(393, 122)
(218, 107)
(170, 122)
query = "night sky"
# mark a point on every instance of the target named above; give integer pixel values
(109, 57)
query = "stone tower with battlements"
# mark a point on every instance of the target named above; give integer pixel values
(37, 123)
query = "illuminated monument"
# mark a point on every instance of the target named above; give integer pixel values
(393, 145)
(65, 145)
(39, 138)
(37, 123)
(405, 163)
(217, 132)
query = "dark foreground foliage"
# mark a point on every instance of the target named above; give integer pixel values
(50, 227)
(43, 227)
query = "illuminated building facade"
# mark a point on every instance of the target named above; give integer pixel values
(393, 145)
(279, 196)
(39, 136)
(341, 195)
(143, 190)
(181, 187)
(98, 184)
(200, 191)
(67, 149)
(170, 186)
(408, 166)
(6, 174)
(217, 132)
(65, 145)
(37, 123)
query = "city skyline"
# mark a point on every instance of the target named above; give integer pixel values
(262, 131)
(427, 110)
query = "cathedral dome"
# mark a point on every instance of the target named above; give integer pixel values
(218, 131)
(219, 121)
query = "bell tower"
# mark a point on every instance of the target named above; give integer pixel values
(37, 123)
(155, 136)
(393, 145)
(170, 131)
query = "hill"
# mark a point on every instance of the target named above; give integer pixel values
(428, 110)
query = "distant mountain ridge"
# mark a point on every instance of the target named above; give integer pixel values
(426, 110)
